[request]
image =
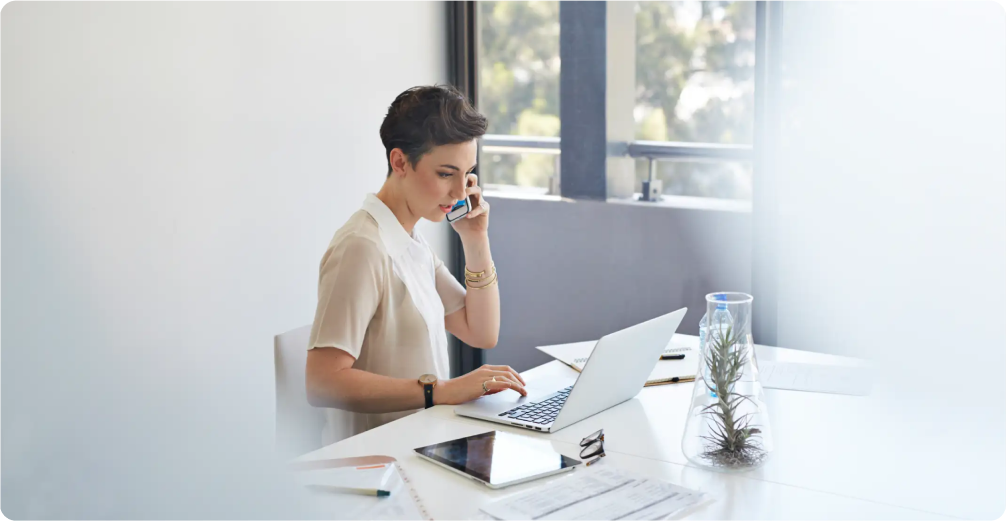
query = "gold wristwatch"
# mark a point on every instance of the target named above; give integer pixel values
(428, 381)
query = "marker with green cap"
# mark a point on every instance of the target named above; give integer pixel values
(350, 490)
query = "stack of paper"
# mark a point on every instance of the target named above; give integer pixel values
(666, 371)
(604, 493)
(377, 476)
(372, 472)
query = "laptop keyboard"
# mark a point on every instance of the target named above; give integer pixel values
(541, 413)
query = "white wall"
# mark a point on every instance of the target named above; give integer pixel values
(893, 176)
(892, 232)
(172, 174)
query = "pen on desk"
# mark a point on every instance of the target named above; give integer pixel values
(351, 490)
(593, 461)
(672, 357)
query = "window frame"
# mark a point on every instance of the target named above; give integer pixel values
(583, 30)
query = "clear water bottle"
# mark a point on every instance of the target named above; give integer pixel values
(720, 316)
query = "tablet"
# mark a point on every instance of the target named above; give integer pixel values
(499, 459)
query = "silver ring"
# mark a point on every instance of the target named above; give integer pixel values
(484, 388)
(494, 378)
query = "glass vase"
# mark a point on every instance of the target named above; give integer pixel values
(728, 423)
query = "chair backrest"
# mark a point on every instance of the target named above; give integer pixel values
(298, 424)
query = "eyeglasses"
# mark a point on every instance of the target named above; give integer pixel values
(593, 445)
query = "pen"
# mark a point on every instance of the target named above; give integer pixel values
(351, 490)
(593, 461)
(672, 357)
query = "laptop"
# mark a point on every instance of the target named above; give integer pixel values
(616, 371)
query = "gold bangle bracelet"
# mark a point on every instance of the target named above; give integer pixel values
(479, 275)
(477, 281)
(491, 283)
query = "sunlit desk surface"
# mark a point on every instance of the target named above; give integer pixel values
(836, 456)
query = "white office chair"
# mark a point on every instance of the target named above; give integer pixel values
(298, 424)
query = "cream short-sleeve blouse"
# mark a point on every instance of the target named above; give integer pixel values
(382, 297)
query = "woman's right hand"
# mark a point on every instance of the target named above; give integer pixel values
(469, 387)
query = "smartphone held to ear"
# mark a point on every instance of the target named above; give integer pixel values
(460, 209)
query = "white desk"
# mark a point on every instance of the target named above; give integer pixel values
(836, 457)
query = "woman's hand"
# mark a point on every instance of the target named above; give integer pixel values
(466, 388)
(476, 223)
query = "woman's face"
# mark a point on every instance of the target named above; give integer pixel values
(438, 181)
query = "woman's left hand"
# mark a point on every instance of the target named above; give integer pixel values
(476, 223)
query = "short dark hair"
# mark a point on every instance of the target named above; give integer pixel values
(424, 117)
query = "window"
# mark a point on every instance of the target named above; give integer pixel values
(688, 115)
(716, 179)
(695, 83)
(695, 72)
(518, 82)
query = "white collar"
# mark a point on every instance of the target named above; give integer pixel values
(393, 235)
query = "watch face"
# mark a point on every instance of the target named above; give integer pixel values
(428, 379)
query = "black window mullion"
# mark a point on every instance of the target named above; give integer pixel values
(462, 49)
(582, 91)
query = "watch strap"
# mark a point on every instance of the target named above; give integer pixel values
(428, 394)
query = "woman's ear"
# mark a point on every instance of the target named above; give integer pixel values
(398, 162)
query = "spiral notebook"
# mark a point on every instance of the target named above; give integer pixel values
(576, 354)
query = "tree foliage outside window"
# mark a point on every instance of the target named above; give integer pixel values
(694, 83)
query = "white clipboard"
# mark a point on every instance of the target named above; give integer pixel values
(664, 372)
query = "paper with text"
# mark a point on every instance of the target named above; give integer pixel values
(604, 493)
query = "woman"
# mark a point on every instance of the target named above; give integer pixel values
(378, 345)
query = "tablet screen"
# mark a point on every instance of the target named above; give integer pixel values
(499, 457)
